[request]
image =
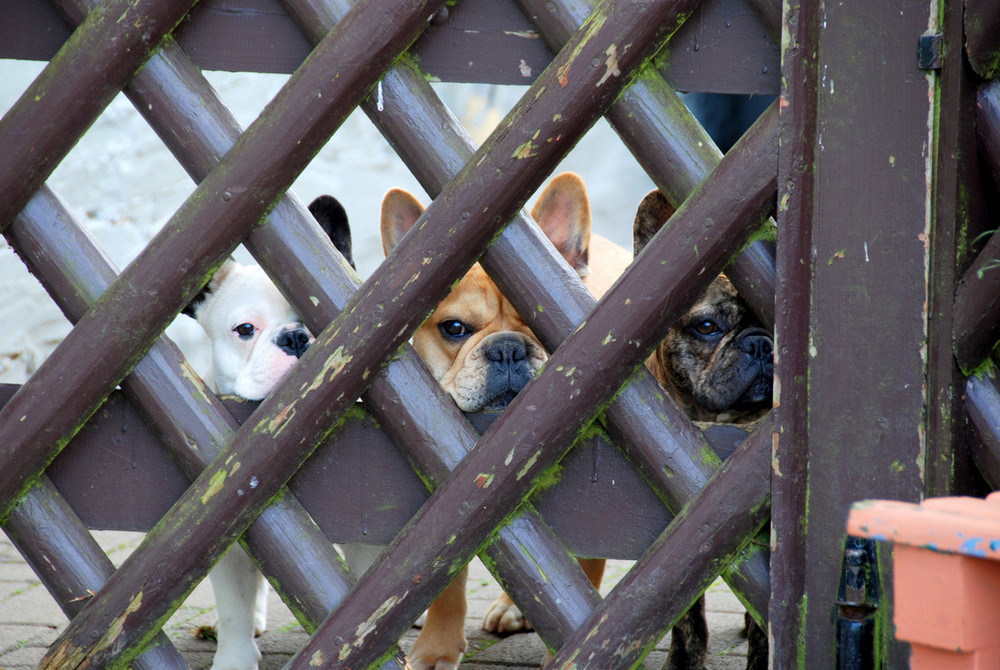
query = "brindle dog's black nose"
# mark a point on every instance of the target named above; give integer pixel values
(293, 342)
(757, 345)
(507, 351)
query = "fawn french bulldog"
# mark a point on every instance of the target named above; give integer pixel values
(482, 353)
(256, 337)
(717, 363)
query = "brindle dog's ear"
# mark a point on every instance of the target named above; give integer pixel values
(213, 284)
(400, 211)
(332, 218)
(653, 212)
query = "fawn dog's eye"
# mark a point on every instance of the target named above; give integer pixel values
(454, 329)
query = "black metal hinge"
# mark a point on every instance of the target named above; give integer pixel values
(930, 51)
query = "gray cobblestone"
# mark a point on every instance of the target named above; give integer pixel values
(30, 620)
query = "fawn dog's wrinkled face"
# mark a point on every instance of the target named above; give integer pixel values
(475, 343)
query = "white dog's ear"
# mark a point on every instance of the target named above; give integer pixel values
(332, 219)
(400, 211)
(652, 213)
(563, 213)
(213, 284)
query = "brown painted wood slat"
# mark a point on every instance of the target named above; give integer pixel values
(854, 216)
(308, 572)
(957, 189)
(225, 206)
(202, 135)
(977, 300)
(70, 563)
(302, 412)
(410, 133)
(592, 360)
(370, 505)
(725, 509)
(271, 245)
(86, 73)
(982, 402)
(727, 49)
(668, 142)
(982, 36)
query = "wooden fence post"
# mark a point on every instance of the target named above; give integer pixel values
(856, 169)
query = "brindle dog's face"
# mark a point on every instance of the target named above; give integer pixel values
(716, 361)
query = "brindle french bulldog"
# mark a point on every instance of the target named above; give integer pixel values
(717, 363)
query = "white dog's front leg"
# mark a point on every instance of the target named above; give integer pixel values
(238, 587)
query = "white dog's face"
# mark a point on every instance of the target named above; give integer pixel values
(255, 334)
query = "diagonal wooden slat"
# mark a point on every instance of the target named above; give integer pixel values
(69, 561)
(982, 403)
(168, 80)
(225, 206)
(581, 375)
(649, 114)
(192, 422)
(638, 611)
(673, 148)
(563, 290)
(982, 43)
(521, 241)
(89, 70)
(977, 298)
(305, 405)
(199, 145)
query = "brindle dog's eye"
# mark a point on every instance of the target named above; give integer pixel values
(706, 327)
(244, 330)
(454, 329)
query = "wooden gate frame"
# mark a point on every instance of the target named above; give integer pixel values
(721, 214)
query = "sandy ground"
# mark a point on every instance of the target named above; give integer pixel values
(124, 185)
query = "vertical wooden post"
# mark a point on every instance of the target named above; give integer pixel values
(855, 219)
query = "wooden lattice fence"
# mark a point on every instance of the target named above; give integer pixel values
(878, 196)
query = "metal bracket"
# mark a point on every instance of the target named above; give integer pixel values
(930, 51)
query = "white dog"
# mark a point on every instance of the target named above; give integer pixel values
(256, 338)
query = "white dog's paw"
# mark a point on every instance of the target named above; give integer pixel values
(244, 657)
(259, 623)
(504, 616)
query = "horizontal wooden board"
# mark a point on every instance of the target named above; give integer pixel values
(724, 48)
(357, 486)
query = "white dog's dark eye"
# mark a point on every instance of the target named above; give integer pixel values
(706, 327)
(244, 330)
(454, 329)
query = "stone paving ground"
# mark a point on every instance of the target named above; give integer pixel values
(30, 620)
